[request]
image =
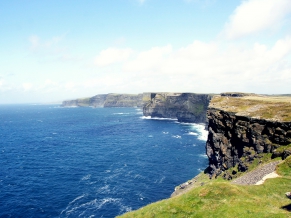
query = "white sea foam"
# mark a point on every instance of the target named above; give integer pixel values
(162, 179)
(192, 133)
(177, 136)
(77, 198)
(203, 155)
(156, 118)
(120, 113)
(86, 177)
(165, 132)
(202, 133)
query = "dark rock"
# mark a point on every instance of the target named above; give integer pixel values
(186, 107)
(233, 137)
(242, 167)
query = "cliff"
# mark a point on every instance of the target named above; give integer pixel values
(107, 100)
(186, 107)
(242, 128)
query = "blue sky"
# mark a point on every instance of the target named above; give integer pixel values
(55, 50)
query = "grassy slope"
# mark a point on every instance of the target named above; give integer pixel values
(220, 198)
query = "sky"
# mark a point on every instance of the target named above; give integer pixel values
(52, 50)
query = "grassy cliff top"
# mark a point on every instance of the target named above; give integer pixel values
(221, 198)
(276, 108)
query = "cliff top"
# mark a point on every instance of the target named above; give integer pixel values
(275, 108)
(220, 198)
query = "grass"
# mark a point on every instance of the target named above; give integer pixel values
(220, 198)
(277, 108)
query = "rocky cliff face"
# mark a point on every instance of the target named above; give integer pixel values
(186, 107)
(236, 140)
(107, 100)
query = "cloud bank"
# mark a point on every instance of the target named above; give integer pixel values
(254, 16)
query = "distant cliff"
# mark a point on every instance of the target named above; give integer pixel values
(241, 128)
(186, 107)
(107, 100)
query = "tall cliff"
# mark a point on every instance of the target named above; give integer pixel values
(107, 100)
(186, 107)
(241, 128)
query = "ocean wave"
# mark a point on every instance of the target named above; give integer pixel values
(120, 113)
(203, 155)
(165, 133)
(86, 177)
(192, 133)
(202, 133)
(77, 198)
(88, 209)
(177, 136)
(157, 118)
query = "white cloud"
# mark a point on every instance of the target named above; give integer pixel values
(213, 67)
(26, 86)
(70, 86)
(148, 60)
(112, 55)
(253, 16)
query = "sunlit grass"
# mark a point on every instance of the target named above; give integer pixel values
(219, 198)
(276, 108)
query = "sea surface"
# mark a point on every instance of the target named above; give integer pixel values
(91, 162)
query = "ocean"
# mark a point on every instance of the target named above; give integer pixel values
(91, 162)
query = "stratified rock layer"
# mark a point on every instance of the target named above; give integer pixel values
(235, 140)
(186, 107)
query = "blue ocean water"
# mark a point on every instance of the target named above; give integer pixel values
(91, 162)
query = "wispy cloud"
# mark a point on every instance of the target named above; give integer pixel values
(112, 55)
(253, 16)
(36, 42)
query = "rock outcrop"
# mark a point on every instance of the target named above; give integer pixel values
(236, 140)
(107, 100)
(186, 107)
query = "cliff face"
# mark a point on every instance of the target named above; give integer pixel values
(123, 100)
(186, 107)
(236, 139)
(107, 100)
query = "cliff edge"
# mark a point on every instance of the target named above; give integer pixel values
(186, 107)
(242, 128)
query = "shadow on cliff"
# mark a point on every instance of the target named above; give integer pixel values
(287, 207)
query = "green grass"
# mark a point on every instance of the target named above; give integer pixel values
(219, 198)
(264, 107)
